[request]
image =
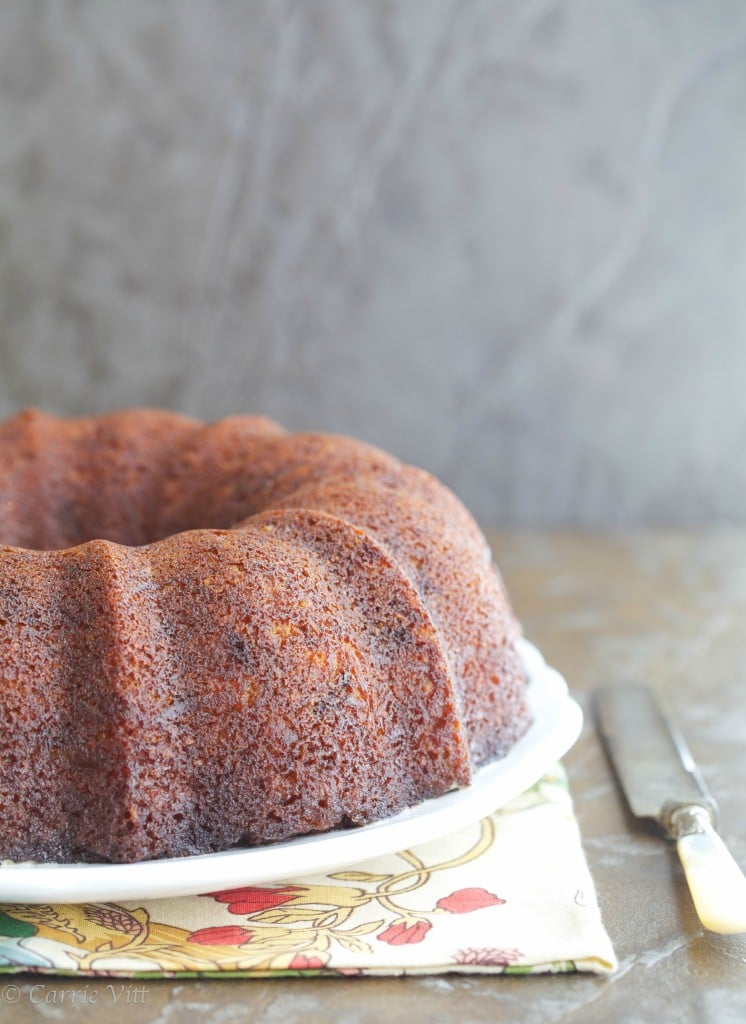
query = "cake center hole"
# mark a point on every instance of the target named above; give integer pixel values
(52, 518)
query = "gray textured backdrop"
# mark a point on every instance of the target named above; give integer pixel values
(504, 239)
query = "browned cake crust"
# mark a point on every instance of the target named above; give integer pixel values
(220, 634)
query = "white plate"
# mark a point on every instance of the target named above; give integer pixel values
(557, 721)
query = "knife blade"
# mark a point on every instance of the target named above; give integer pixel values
(661, 780)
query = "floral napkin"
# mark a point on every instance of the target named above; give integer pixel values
(510, 894)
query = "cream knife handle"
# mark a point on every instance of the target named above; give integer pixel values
(716, 882)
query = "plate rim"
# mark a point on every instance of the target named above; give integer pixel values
(557, 723)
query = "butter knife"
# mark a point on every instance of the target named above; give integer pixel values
(660, 780)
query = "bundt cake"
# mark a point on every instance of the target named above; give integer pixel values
(225, 634)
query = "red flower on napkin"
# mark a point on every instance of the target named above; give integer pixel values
(463, 901)
(251, 899)
(301, 962)
(489, 957)
(402, 934)
(225, 935)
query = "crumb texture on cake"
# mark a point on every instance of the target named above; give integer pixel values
(213, 634)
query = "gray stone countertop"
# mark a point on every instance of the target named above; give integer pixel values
(666, 608)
